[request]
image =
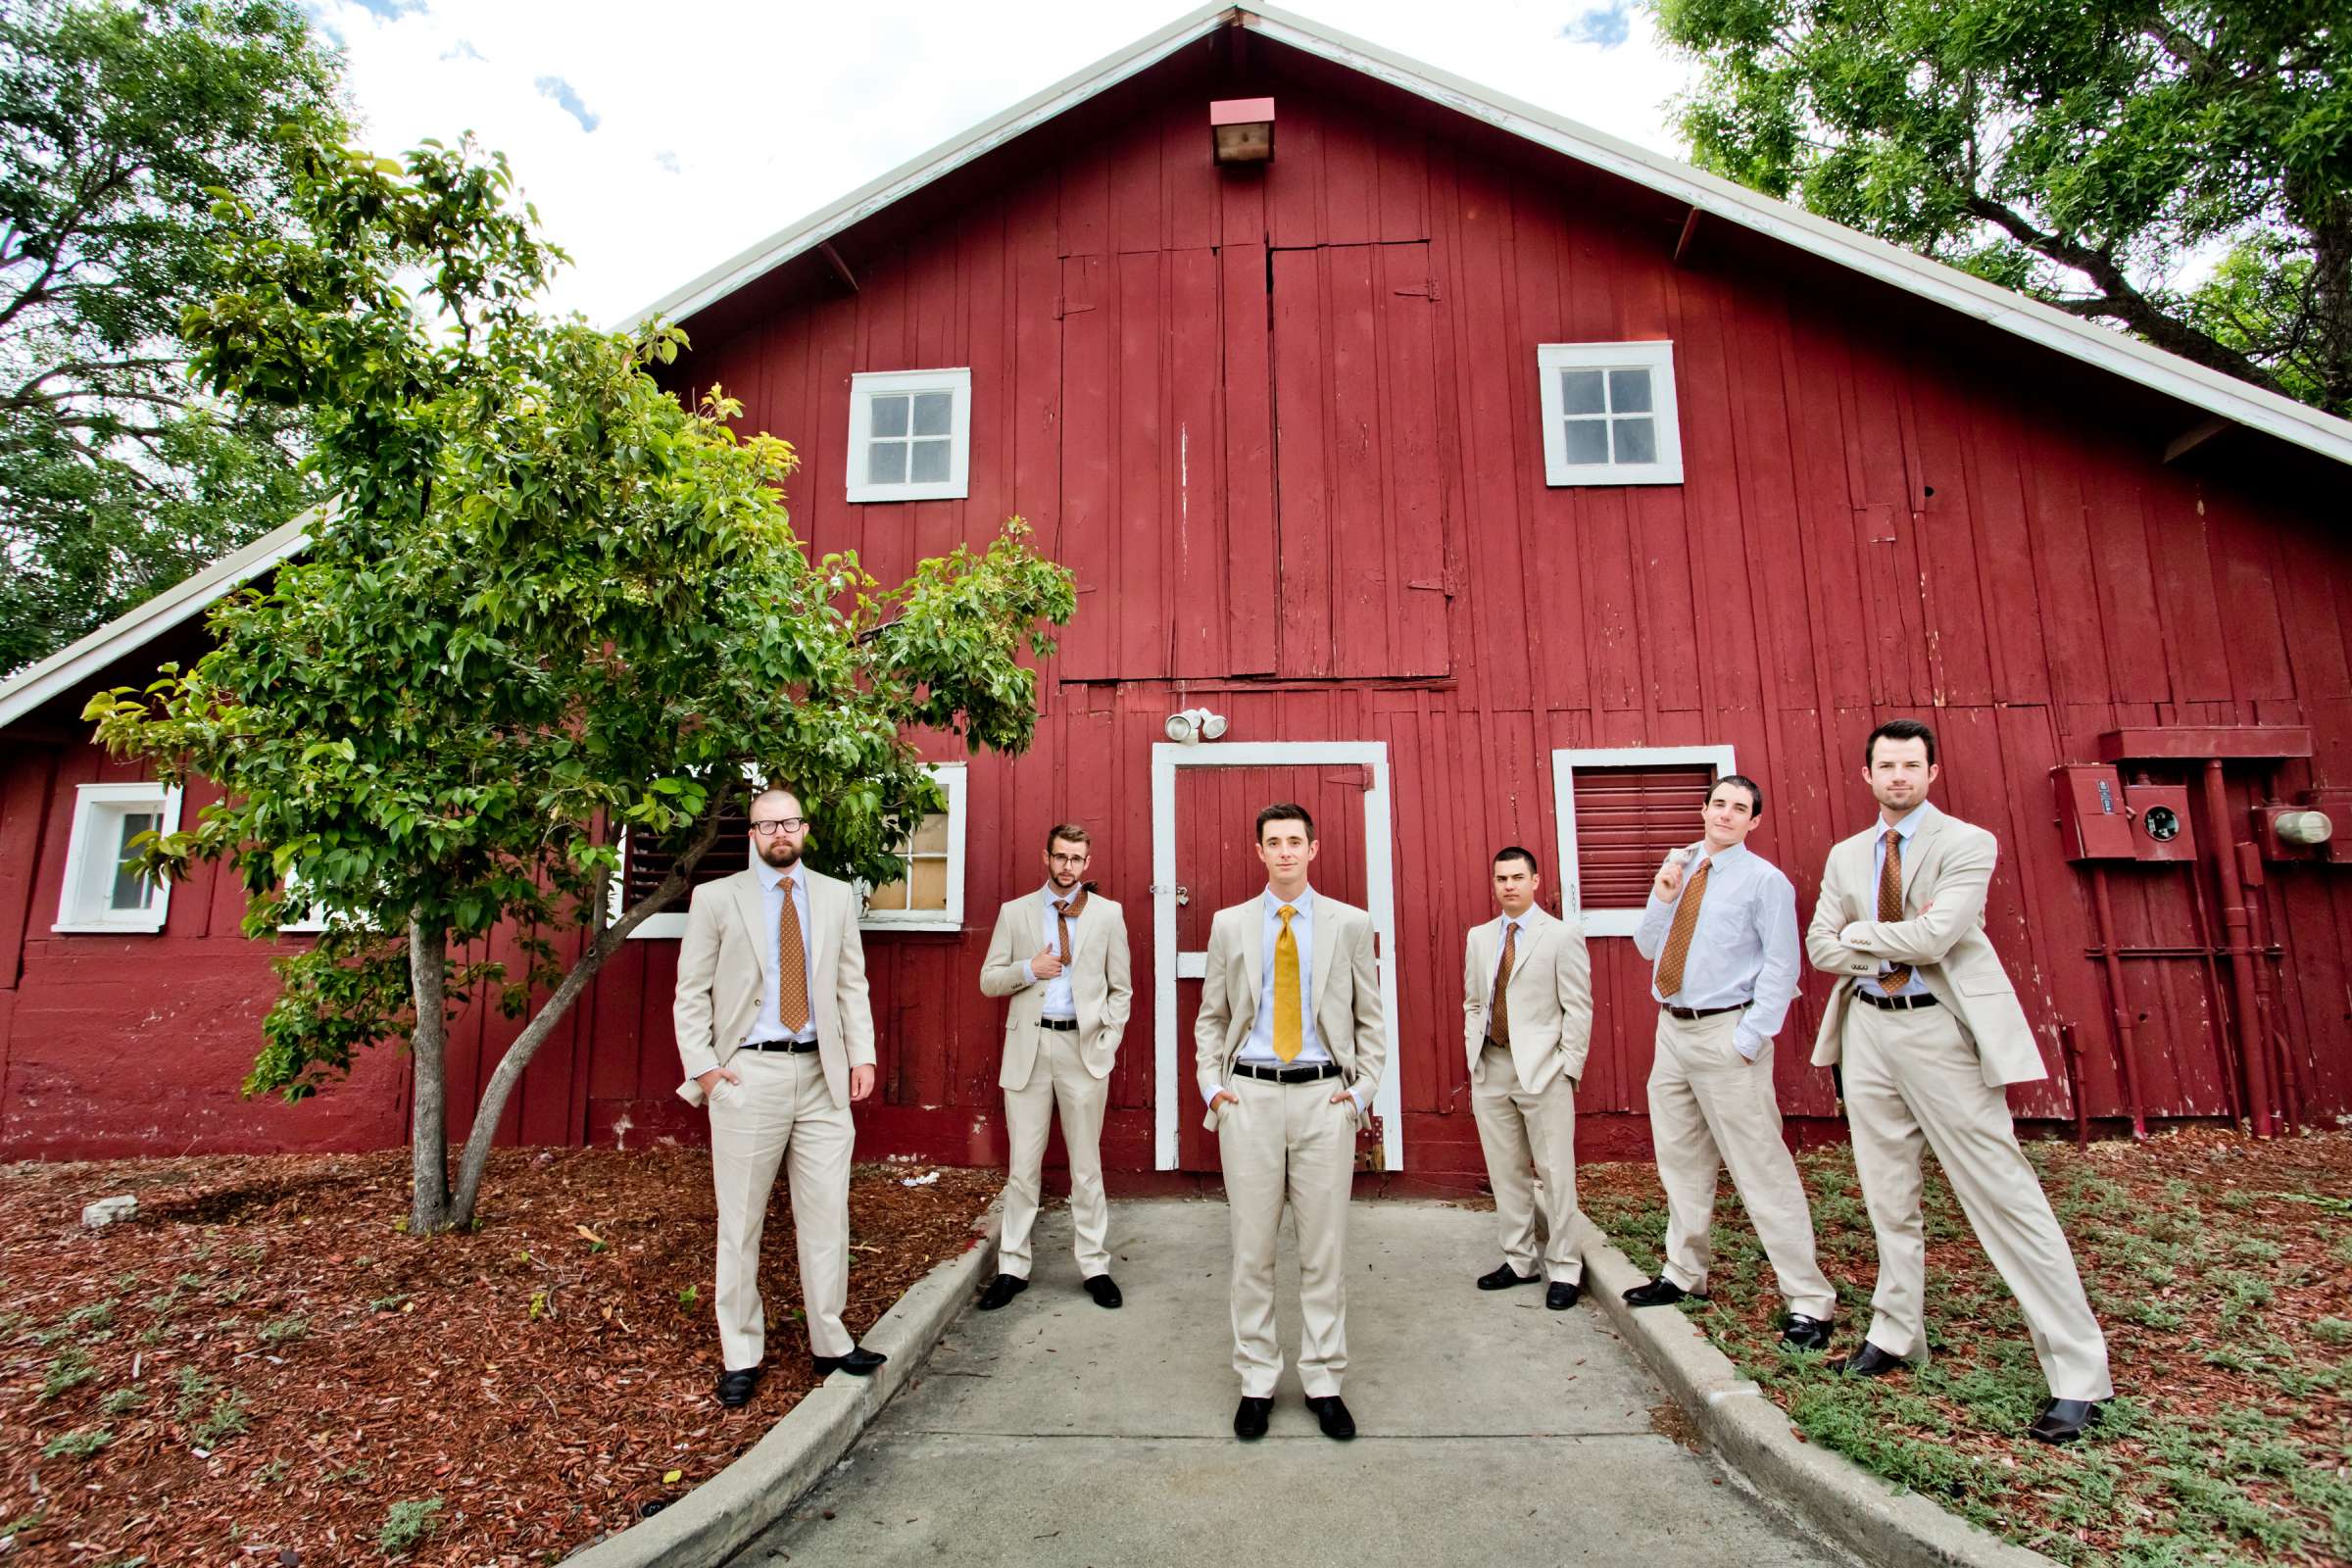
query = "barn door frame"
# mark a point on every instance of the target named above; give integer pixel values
(1564, 763)
(1175, 1094)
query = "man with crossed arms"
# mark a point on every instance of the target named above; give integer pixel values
(1070, 997)
(1930, 1033)
(1288, 1048)
(1527, 1007)
(777, 1036)
(1721, 924)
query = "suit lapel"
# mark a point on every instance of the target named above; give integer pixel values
(1921, 844)
(824, 920)
(1253, 934)
(751, 902)
(1325, 939)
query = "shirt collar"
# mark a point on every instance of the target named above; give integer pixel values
(770, 876)
(1053, 898)
(1908, 824)
(1304, 903)
(1727, 857)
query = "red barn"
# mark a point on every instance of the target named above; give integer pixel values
(1495, 481)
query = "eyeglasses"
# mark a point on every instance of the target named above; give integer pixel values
(1069, 859)
(779, 824)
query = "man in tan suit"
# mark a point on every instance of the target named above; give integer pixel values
(1060, 954)
(778, 1038)
(1288, 1048)
(1720, 931)
(1930, 1030)
(1527, 1017)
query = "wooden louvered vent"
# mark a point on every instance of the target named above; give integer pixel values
(645, 867)
(1627, 819)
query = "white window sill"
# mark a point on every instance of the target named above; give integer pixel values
(114, 928)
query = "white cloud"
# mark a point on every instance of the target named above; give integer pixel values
(715, 126)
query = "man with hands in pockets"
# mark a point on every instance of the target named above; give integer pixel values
(1721, 930)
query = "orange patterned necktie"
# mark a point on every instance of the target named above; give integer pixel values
(1891, 906)
(792, 969)
(1498, 1016)
(1290, 1032)
(1678, 938)
(1065, 909)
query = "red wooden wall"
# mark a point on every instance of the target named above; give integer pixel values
(1281, 424)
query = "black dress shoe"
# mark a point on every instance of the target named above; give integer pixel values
(858, 1364)
(1561, 1295)
(1503, 1278)
(1869, 1362)
(1331, 1413)
(735, 1388)
(1003, 1288)
(1104, 1290)
(1661, 1291)
(1802, 1333)
(2065, 1420)
(1250, 1418)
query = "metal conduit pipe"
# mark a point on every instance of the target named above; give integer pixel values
(2237, 931)
(2119, 1002)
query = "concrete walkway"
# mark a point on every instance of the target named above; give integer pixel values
(1494, 1432)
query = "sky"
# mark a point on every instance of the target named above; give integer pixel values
(657, 140)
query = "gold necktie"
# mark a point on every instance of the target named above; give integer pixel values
(1289, 1033)
(1891, 906)
(1498, 1016)
(1061, 926)
(1678, 938)
(792, 969)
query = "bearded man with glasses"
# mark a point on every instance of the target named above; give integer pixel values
(777, 1037)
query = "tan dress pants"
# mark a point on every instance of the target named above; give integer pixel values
(1519, 1133)
(1711, 1109)
(1912, 1077)
(1059, 1078)
(1289, 1143)
(782, 1108)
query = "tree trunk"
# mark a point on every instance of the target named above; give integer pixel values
(428, 1136)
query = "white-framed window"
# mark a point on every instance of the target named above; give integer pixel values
(1608, 414)
(910, 435)
(930, 896)
(103, 892)
(1622, 811)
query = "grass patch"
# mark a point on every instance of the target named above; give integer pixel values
(406, 1525)
(78, 1443)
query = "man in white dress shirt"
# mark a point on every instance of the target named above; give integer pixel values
(1721, 929)
(1288, 1048)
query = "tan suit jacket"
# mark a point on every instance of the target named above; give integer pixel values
(1098, 982)
(1550, 996)
(727, 956)
(1346, 988)
(1949, 863)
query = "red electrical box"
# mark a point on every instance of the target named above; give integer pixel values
(2093, 823)
(2160, 829)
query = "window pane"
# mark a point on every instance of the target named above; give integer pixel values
(1628, 391)
(930, 885)
(930, 462)
(1587, 440)
(932, 411)
(1580, 392)
(132, 891)
(885, 462)
(889, 896)
(1637, 441)
(890, 417)
(932, 837)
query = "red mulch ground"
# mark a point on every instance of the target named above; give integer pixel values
(276, 1366)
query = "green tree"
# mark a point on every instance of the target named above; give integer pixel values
(117, 122)
(549, 603)
(2179, 168)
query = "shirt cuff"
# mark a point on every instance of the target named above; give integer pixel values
(1028, 973)
(1209, 1095)
(1355, 1092)
(1746, 1043)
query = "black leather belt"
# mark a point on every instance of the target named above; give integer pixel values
(1288, 1075)
(791, 1048)
(1894, 1004)
(1065, 1025)
(1709, 1013)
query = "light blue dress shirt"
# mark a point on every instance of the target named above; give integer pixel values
(1745, 947)
(1059, 1001)
(1258, 1050)
(769, 1025)
(1908, 826)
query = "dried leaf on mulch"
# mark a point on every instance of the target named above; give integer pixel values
(2221, 1268)
(261, 1362)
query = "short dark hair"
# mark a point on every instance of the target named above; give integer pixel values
(1755, 793)
(1515, 853)
(1285, 811)
(1068, 833)
(1900, 729)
